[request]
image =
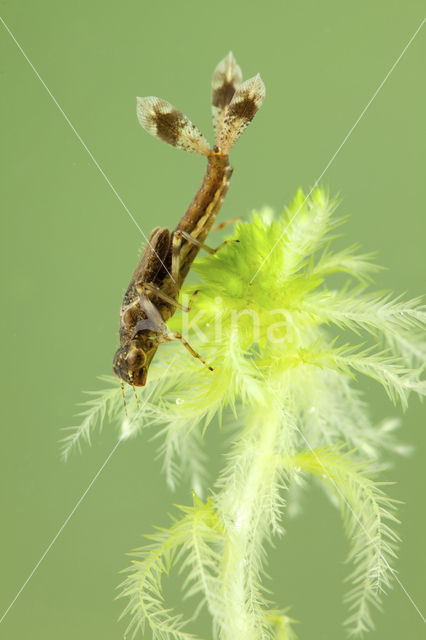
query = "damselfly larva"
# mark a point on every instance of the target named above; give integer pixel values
(152, 295)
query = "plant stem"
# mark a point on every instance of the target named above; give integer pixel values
(248, 503)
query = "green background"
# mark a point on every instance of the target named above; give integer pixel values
(69, 246)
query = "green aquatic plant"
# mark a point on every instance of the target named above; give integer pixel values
(286, 341)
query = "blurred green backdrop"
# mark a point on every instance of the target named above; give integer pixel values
(68, 249)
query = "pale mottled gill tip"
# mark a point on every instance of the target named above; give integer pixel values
(226, 78)
(245, 103)
(234, 106)
(162, 120)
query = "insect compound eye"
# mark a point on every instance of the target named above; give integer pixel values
(136, 358)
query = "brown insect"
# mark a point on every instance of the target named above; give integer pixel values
(152, 295)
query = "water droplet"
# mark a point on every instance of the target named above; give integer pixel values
(312, 410)
(180, 400)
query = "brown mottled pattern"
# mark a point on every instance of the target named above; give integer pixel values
(152, 264)
(169, 125)
(244, 109)
(222, 96)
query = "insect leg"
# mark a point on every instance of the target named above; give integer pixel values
(222, 225)
(153, 321)
(175, 335)
(176, 245)
(149, 287)
(190, 239)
